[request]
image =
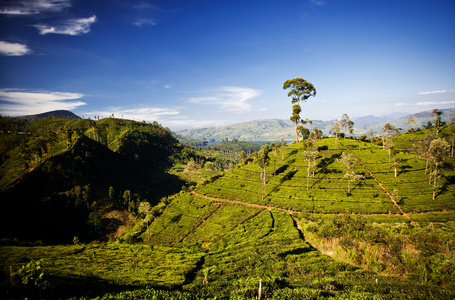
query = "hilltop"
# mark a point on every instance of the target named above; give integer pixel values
(275, 129)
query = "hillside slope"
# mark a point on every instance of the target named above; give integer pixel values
(56, 179)
(371, 236)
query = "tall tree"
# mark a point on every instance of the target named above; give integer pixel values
(388, 144)
(243, 156)
(300, 90)
(336, 130)
(295, 117)
(412, 121)
(263, 161)
(423, 149)
(371, 135)
(310, 154)
(346, 124)
(437, 119)
(146, 209)
(127, 198)
(349, 161)
(439, 150)
(283, 144)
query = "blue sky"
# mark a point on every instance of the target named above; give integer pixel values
(190, 64)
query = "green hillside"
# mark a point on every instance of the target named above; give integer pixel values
(56, 173)
(303, 238)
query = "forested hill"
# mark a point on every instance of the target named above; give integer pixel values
(58, 173)
(274, 130)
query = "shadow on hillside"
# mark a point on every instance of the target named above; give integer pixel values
(449, 181)
(296, 251)
(328, 161)
(65, 287)
(288, 176)
(404, 169)
(281, 169)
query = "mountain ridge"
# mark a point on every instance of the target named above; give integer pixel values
(276, 129)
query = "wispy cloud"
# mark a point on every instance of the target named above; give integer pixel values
(433, 92)
(33, 7)
(318, 2)
(68, 27)
(138, 113)
(17, 103)
(141, 22)
(229, 98)
(426, 103)
(435, 103)
(13, 49)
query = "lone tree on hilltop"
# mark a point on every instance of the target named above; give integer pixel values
(439, 150)
(300, 90)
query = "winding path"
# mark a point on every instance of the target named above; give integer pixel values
(381, 186)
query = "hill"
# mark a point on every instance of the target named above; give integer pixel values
(55, 113)
(57, 173)
(298, 236)
(274, 130)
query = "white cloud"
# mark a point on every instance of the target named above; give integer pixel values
(69, 27)
(13, 49)
(18, 103)
(144, 22)
(229, 98)
(139, 113)
(435, 103)
(33, 7)
(401, 104)
(433, 92)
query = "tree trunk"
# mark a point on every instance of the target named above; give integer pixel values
(308, 177)
(260, 289)
(435, 179)
(148, 232)
(452, 145)
(336, 140)
(296, 133)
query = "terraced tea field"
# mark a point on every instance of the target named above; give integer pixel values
(222, 239)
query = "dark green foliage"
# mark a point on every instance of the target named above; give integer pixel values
(54, 183)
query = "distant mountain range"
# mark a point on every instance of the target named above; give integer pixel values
(275, 129)
(55, 113)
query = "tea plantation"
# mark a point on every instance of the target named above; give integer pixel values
(383, 237)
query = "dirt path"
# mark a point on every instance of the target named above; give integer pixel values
(381, 186)
(267, 207)
(289, 211)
